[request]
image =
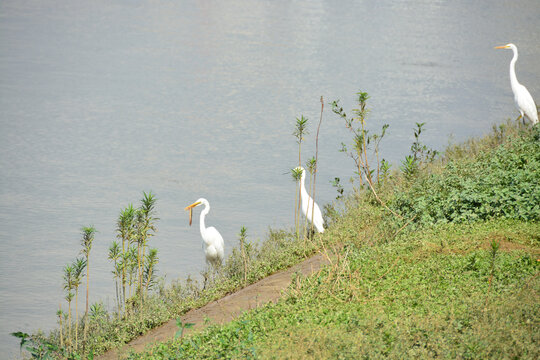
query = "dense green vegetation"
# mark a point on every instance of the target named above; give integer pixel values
(454, 275)
(500, 183)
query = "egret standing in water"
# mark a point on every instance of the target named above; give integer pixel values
(523, 98)
(311, 211)
(212, 240)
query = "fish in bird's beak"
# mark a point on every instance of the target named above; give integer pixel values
(190, 208)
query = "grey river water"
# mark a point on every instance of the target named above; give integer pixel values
(101, 100)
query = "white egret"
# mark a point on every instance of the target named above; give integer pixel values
(523, 98)
(311, 211)
(213, 245)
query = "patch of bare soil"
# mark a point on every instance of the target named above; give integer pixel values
(506, 245)
(225, 309)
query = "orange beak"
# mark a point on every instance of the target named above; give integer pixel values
(501, 47)
(190, 208)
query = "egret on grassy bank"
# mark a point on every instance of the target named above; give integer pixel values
(310, 210)
(213, 245)
(523, 98)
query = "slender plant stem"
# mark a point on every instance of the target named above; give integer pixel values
(296, 209)
(87, 287)
(69, 323)
(61, 327)
(299, 203)
(368, 180)
(366, 165)
(139, 285)
(76, 316)
(404, 226)
(124, 272)
(117, 292)
(378, 165)
(316, 162)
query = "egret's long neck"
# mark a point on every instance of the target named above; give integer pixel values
(513, 79)
(303, 193)
(202, 224)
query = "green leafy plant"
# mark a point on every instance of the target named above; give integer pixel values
(149, 277)
(125, 228)
(501, 181)
(78, 273)
(296, 174)
(60, 315)
(118, 268)
(69, 280)
(420, 155)
(363, 143)
(242, 239)
(38, 349)
(339, 187)
(299, 131)
(88, 233)
(146, 228)
(181, 327)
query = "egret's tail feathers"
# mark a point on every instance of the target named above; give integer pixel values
(320, 227)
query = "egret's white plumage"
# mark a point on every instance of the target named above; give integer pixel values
(213, 245)
(310, 210)
(523, 98)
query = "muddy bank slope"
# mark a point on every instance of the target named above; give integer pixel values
(225, 309)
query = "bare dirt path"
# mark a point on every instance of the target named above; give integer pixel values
(225, 309)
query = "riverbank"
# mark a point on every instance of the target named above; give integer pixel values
(454, 243)
(461, 284)
(223, 310)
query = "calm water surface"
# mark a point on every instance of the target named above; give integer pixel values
(101, 100)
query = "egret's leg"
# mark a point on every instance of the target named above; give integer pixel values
(204, 273)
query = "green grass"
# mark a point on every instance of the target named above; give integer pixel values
(463, 286)
(412, 298)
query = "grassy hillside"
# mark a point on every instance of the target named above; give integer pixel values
(454, 275)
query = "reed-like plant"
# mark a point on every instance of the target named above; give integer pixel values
(146, 218)
(150, 268)
(131, 264)
(114, 256)
(78, 273)
(60, 314)
(97, 311)
(87, 239)
(117, 273)
(242, 239)
(296, 174)
(299, 131)
(125, 232)
(69, 277)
